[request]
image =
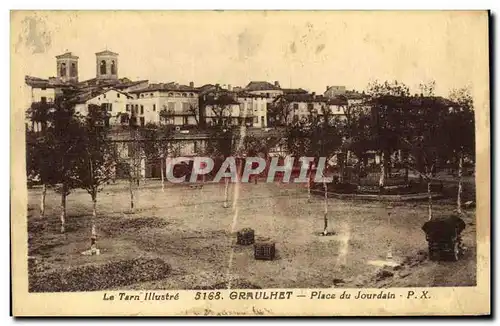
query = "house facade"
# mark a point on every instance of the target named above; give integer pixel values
(300, 107)
(229, 107)
(114, 102)
(170, 104)
(265, 89)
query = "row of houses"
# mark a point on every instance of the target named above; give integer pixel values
(190, 108)
(254, 105)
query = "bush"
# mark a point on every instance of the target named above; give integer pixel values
(98, 277)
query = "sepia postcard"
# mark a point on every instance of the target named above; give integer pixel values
(250, 163)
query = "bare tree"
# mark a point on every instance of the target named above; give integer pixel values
(96, 165)
(460, 134)
(40, 147)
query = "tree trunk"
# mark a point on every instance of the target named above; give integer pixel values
(162, 175)
(42, 200)
(325, 229)
(460, 189)
(309, 185)
(381, 181)
(63, 210)
(131, 190)
(341, 162)
(386, 161)
(429, 195)
(93, 238)
(226, 192)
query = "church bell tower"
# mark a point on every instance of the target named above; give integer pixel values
(67, 67)
(106, 65)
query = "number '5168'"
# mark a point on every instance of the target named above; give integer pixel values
(208, 296)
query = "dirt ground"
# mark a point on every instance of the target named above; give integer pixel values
(191, 231)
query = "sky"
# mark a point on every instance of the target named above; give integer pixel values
(299, 49)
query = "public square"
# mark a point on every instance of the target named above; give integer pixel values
(189, 230)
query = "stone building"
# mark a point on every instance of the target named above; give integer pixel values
(169, 103)
(299, 107)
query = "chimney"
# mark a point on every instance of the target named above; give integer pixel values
(229, 87)
(327, 87)
(277, 84)
(313, 95)
(191, 84)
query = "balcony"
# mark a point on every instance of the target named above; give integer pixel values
(174, 113)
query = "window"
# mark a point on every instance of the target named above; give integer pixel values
(171, 106)
(118, 95)
(142, 109)
(185, 107)
(183, 94)
(74, 72)
(107, 107)
(185, 120)
(104, 95)
(113, 67)
(154, 107)
(142, 121)
(102, 68)
(43, 99)
(191, 94)
(151, 94)
(127, 108)
(310, 106)
(170, 94)
(295, 106)
(255, 119)
(137, 108)
(142, 95)
(62, 70)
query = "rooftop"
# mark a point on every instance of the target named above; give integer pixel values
(260, 86)
(172, 86)
(86, 95)
(294, 91)
(312, 98)
(106, 52)
(51, 82)
(66, 55)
